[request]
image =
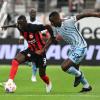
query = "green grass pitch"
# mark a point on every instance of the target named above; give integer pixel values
(62, 85)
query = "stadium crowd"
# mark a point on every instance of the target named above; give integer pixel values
(66, 7)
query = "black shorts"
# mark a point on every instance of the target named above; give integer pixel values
(40, 60)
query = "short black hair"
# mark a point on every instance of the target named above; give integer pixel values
(21, 17)
(54, 13)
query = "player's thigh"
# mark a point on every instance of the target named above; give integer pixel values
(20, 57)
(42, 71)
(23, 56)
(41, 60)
(66, 64)
(77, 55)
(74, 58)
(41, 64)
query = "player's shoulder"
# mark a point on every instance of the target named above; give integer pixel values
(32, 26)
(69, 19)
(37, 21)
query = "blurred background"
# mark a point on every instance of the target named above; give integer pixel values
(89, 27)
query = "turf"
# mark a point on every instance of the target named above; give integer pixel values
(62, 85)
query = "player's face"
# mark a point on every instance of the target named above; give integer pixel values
(55, 21)
(32, 14)
(22, 24)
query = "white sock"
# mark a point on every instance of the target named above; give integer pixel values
(84, 81)
(72, 70)
(86, 85)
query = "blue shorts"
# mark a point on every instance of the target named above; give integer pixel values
(76, 54)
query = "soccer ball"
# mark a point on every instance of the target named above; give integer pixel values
(10, 87)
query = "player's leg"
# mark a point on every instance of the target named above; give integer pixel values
(20, 58)
(14, 67)
(45, 78)
(70, 66)
(42, 72)
(15, 63)
(34, 71)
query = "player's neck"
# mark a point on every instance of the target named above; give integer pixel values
(59, 24)
(32, 20)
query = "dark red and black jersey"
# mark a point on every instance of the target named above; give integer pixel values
(32, 35)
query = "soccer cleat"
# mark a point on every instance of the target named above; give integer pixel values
(33, 78)
(86, 89)
(48, 87)
(77, 80)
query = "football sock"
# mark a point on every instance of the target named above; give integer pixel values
(84, 81)
(72, 70)
(34, 69)
(13, 69)
(45, 79)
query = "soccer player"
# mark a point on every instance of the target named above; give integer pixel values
(30, 32)
(33, 19)
(67, 30)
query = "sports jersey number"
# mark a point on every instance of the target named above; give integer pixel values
(76, 56)
(44, 60)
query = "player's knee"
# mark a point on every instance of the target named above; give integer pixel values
(15, 62)
(64, 67)
(41, 74)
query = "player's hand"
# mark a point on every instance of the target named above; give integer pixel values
(40, 52)
(4, 27)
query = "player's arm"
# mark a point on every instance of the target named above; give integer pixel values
(39, 52)
(38, 28)
(93, 14)
(49, 41)
(50, 30)
(9, 26)
(42, 29)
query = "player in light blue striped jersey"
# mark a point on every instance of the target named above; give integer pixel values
(67, 30)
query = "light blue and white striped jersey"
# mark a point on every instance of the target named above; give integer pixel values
(70, 33)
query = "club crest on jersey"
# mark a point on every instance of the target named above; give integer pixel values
(29, 55)
(31, 36)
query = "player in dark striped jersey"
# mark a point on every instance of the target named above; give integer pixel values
(30, 32)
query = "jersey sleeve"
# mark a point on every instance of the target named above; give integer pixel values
(40, 27)
(37, 28)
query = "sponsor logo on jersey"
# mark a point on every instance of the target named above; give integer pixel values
(31, 36)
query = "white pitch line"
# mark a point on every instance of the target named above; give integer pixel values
(83, 95)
